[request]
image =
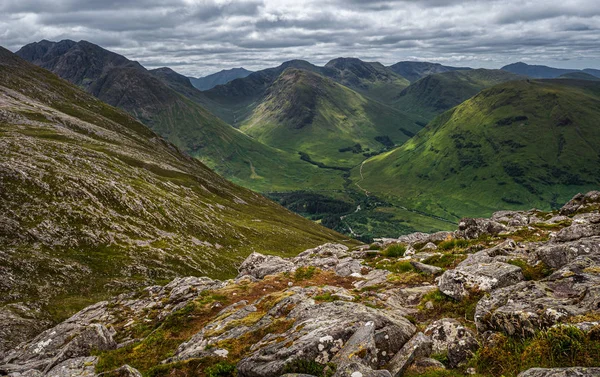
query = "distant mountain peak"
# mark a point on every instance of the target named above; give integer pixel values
(219, 78)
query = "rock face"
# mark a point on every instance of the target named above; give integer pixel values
(324, 330)
(582, 202)
(418, 346)
(561, 372)
(332, 308)
(450, 337)
(528, 306)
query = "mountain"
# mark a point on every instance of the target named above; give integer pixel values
(520, 144)
(372, 79)
(235, 101)
(579, 76)
(93, 202)
(304, 112)
(544, 72)
(593, 72)
(167, 103)
(414, 71)
(437, 93)
(219, 78)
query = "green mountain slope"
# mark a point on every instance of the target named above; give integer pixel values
(437, 93)
(93, 202)
(306, 112)
(168, 103)
(520, 144)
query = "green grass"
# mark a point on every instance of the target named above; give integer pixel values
(394, 251)
(434, 94)
(445, 306)
(556, 347)
(537, 272)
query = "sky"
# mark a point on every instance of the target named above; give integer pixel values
(198, 37)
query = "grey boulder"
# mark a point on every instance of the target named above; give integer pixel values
(561, 372)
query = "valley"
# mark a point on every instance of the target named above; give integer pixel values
(300, 133)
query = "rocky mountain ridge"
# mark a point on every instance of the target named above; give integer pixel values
(518, 293)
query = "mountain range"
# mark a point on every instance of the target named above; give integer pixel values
(336, 143)
(545, 72)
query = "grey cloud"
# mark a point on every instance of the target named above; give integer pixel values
(202, 36)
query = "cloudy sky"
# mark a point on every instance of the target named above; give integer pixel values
(197, 37)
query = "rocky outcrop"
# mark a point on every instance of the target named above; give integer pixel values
(450, 337)
(523, 308)
(582, 202)
(561, 372)
(417, 347)
(320, 331)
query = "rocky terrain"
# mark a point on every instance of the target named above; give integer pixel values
(515, 294)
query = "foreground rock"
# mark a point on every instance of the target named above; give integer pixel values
(346, 310)
(450, 337)
(561, 372)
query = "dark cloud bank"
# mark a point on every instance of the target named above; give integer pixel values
(197, 37)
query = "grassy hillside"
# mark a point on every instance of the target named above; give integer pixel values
(437, 93)
(333, 125)
(520, 144)
(93, 202)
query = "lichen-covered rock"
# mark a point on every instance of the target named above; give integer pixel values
(450, 337)
(474, 228)
(319, 333)
(426, 268)
(124, 371)
(428, 363)
(523, 308)
(460, 282)
(95, 337)
(417, 238)
(561, 372)
(76, 367)
(259, 265)
(418, 346)
(558, 254)
(581, 202)
(360, 348)
(584, 225)
(356, 369)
